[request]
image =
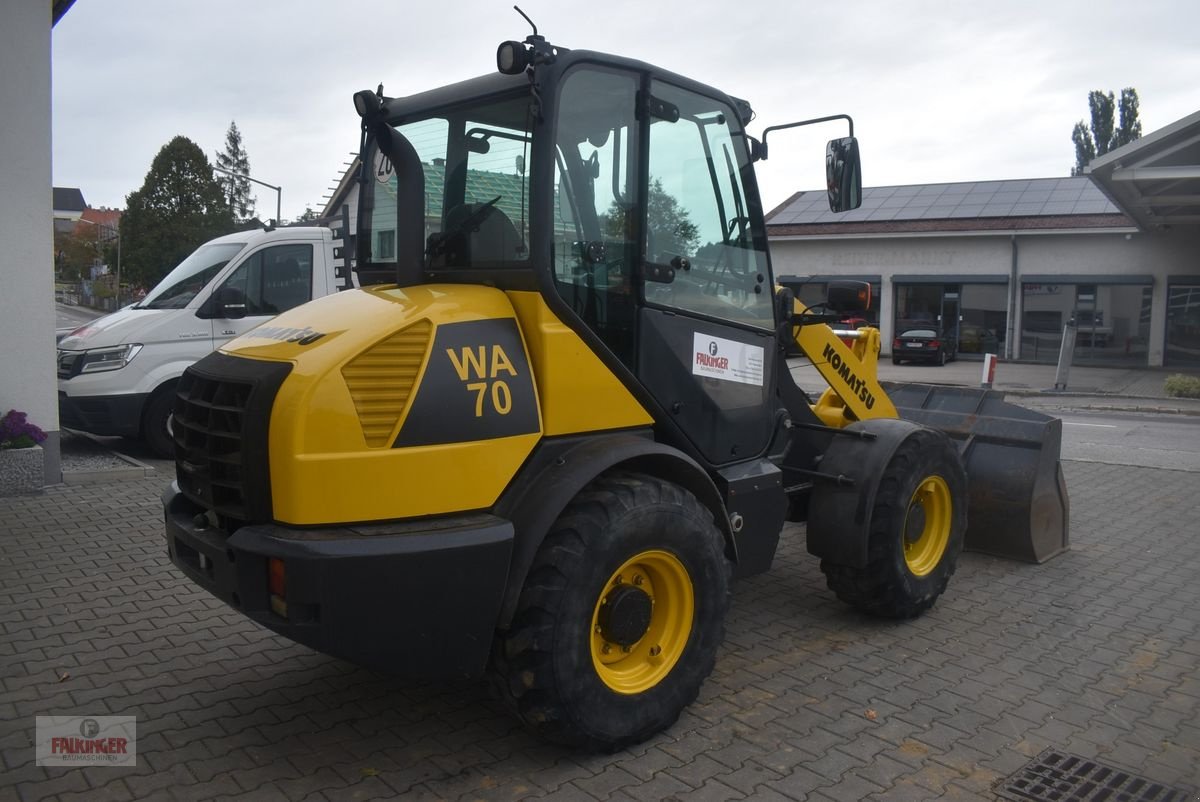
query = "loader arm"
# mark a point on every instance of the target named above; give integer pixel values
(851, 372)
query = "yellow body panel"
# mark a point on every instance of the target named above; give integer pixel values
(854, 392)
(322, 466)
(577, 391)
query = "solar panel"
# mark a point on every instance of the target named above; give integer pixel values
(1021, 198)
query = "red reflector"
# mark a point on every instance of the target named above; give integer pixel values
(276, 578)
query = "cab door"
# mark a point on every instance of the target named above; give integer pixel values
(706, 333)
(659, 250)
(267, 283)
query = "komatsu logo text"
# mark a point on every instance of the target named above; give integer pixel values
(304, 336)
(857, 386)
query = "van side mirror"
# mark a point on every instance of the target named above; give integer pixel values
(231, 303)
(843, 174)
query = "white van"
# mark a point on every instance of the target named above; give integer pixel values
(116, 374)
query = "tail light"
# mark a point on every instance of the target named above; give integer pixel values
(935, 343)
(896, 343)
(277, 586)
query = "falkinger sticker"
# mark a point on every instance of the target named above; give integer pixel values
(727, 360)
(86, 741)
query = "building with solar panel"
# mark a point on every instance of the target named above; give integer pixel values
(1002, 266)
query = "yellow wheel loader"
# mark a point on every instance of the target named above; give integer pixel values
(557, 420)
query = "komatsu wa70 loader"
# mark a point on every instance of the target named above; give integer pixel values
(558, 419)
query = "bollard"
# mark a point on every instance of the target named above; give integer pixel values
(989, 371)
(1066, 354)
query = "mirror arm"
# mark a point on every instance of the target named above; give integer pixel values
(762, 146)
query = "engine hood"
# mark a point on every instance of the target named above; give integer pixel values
(131, 325)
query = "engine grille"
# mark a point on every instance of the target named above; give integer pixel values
(222, 421)
(67, 361)
(209, 424)
(381, 381)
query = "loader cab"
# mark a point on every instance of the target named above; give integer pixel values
(624, 195)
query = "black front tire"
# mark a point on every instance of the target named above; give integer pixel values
(899, 580)
(156, 423)
(546, 666)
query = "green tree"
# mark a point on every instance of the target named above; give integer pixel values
(179, 206)
(671, 227)
(1104, 135)
(308, 216)
(234, 159)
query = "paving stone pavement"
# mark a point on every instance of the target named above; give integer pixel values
(1095, 653)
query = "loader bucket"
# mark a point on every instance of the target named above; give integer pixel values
(1017, 499)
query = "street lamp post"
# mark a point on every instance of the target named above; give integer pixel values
(117, 230)
(278, 190)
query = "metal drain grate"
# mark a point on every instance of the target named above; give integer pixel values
(1055, 776)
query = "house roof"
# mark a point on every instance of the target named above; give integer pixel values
(107, 218)
(68, 199)
(972, 200)
(1155, 179)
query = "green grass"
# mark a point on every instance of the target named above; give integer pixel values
(1181, 386)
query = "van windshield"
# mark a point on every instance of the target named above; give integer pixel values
(180, 286)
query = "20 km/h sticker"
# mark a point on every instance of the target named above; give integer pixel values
(727, 360)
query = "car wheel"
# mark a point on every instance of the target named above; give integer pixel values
(156, 423)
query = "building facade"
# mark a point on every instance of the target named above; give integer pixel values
(1003, 266)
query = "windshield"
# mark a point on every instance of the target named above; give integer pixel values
(475, 164)
(180, 286)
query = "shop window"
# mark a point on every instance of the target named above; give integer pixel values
(1183, 325)
(1112, 322)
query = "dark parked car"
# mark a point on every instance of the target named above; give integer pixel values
(922, 345)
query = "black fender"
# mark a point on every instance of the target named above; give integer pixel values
(562, 467)
(839, 513)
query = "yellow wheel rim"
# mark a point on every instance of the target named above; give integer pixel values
(927, 525)
(634, 667)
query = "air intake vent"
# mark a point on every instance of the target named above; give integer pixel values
(381, 381)
(221, 424)
(208, 424)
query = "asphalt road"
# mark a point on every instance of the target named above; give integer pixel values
(66, 317)
(1127, 438)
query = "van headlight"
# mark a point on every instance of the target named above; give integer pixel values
(97, 360)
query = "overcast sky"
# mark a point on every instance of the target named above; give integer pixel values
(939, 91)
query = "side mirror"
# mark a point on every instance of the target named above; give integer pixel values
(843, 174)
(231, 303)
(848, 296)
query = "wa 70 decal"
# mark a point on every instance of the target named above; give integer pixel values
(477, 385)
(491, 369)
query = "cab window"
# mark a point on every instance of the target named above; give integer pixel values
(595, 203)
(698, 220)
(272, 280)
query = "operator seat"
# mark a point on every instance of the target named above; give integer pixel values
(491, 241)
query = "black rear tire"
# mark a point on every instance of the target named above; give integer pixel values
(923, 487)
(156, 423)
(550, 667)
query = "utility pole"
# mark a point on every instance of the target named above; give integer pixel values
(278, 190)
